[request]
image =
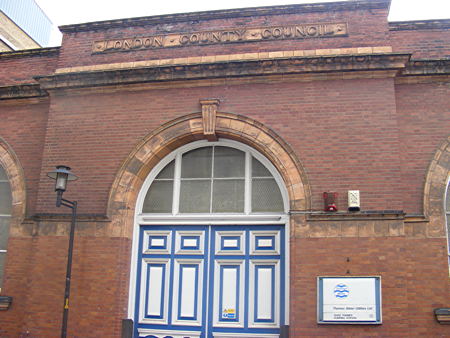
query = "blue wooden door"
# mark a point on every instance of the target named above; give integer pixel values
(210, 281)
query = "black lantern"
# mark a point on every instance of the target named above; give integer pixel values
(61, 175)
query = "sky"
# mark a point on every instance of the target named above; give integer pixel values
(65, 12)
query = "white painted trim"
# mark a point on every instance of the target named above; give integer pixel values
(248, 184)
(208, 257)
(287, 272)
(447, 216)
(133, 265)
(165, 333)
(275, 233)
(209, 219)
(243, 335)
(176, 282)
(252, 296)
(211, 180)
(213, 219)
(146, 243)
(201, 239)
(240, 234)
(165, 296)
(176, 185)
(216, 301)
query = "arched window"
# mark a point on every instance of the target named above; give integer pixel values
(214, 179)
(210, 245)
(5, 216)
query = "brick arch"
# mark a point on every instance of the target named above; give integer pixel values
(189, 128)
(434, 190)
(10, 163)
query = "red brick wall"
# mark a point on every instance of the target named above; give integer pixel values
(36, 279)
(414, 281)
(21, 69)
(16, 285)
(23, 125)
(433, 43)
(342, 131)
(423, 112)
(366, 28)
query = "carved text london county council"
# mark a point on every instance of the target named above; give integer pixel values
(221, 36)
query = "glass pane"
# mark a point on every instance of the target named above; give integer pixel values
(197, 163)
(3, 174)
(229, 162)
(2, 266)
(259, 170)
(5, 198)
(195, 196)
(4, 232)
(159, 197)
(168, 171)
(228, 196)
(266, 195)
(448, 231)
(447, 203)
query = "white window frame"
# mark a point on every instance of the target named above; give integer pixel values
(246, 218)
(177, 155)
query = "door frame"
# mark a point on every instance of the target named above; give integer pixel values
(208, 219)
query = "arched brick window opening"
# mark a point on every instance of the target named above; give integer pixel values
(147, 161)
(189, 128)
(211, 219)
(447, 217)
(437, 195)
(12, 202)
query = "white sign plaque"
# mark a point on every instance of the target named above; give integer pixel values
(349, 300)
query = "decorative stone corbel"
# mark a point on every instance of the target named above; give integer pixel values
(209, 110)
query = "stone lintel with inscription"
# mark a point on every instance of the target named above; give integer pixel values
(234, 35)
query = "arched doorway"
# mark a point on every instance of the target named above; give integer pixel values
(210, 255)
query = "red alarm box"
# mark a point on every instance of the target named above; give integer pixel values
(330, 201)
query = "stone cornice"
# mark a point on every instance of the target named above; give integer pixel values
(427, 67)
(229, 13)
(31, 52)
(229, 68)
(21, 91)
(419, 25)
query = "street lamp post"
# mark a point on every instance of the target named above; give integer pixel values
(61, 175)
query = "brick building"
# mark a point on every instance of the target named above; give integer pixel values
(203, 143)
